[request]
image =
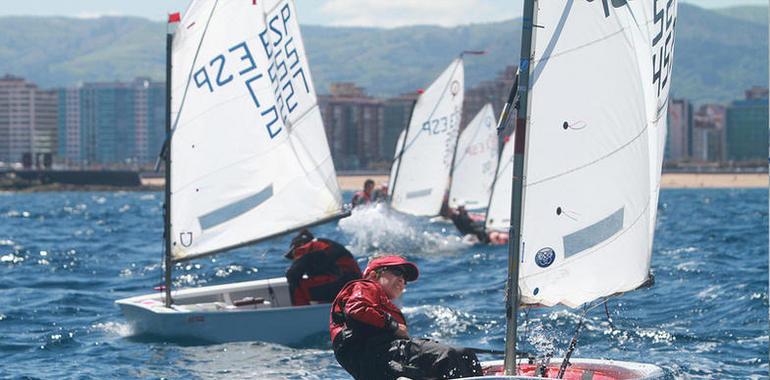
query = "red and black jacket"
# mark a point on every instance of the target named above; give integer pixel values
(361, 198)
(363, 309)
(319, 270)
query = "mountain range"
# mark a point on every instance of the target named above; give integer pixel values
(718, 54)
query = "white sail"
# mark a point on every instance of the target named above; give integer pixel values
(475, 162)
(499, 212)
(249, 156)
(598, 84)
(394, 166)
(423, 175)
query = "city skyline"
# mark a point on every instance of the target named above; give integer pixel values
(120, 124)
(370, 13)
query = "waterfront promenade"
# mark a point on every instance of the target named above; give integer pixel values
(669, 180)
(353, 182)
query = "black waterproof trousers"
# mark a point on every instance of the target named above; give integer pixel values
(385, 358)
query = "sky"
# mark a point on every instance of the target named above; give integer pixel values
(377, 13)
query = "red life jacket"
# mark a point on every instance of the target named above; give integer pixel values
(363, 306)
(361, 198)
(319, 270)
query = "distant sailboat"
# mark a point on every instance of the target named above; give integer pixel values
(589, 139)
(475, 162)
(247, 160)
(423, 160)
(498, 217)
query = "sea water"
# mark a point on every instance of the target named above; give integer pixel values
(65, 257)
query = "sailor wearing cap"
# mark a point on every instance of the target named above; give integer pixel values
(370, 336)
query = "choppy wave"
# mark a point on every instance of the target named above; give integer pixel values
(65, 263)
(377, 228)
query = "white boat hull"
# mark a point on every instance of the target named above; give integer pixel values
(209, 314)
(583, 369)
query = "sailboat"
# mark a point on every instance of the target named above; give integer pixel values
(498, 216)
(475, 162)
(246, 160)
(590, 132)
(425, 149)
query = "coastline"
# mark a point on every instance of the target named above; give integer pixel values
(668, 181)
(354, 182)
(714, 181)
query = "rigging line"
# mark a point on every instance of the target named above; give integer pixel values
(572, 345)
(408, 145)
(330, 185)
(566, 51)
(665, 104)
(526, 323)
(552, 43)
(314, 164)
(229, 165)
(257, 154)
(542, 367)
(601, 158)
(609, 319)
(584, 254)
(192, 68)
(287, 123)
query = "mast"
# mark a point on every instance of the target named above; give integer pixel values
(167, 201)
(520, 141)
(501, 123)
(497, 168)
(401, 151)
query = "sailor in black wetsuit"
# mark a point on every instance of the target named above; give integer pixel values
(467, 226)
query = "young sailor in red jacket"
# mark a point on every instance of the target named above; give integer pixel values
(364, 197)
(370, 336)
(319, 269)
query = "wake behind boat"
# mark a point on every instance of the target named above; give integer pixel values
(246, 160)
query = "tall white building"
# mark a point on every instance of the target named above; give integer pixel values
(28, 123)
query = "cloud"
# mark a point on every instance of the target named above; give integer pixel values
(94, 15)
(394, 13)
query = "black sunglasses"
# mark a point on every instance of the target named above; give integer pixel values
(397, 271)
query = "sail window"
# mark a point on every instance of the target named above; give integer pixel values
(233, 210)
(594, 234)
(418, 193)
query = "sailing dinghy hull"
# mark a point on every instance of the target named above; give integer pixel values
(209, 314)
(580, 369)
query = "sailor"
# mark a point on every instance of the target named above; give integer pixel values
(381, 194)
(363, 197)
(370, 335)
(319, 269)
(467, 226)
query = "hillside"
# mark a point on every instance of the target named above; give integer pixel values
(754, 14)
(716, 58)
